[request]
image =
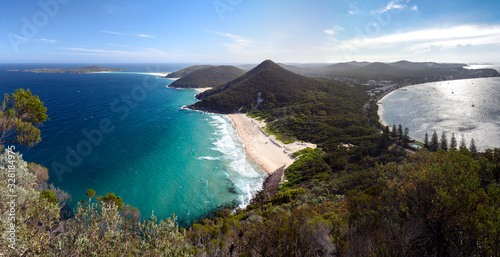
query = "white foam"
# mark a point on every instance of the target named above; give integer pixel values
(208, 158)
(246, 178)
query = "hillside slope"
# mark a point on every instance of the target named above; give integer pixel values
(208, 77)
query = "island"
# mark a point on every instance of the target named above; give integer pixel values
(83, 70)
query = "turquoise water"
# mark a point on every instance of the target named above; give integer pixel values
(468, 108)
(127, 133)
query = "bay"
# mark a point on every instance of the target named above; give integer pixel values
(468, 108)
(125, 132)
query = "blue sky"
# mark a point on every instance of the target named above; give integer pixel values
(249, 31)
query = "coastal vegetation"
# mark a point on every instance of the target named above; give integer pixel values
(21, 113)
(351, 196)
(210, 76)
(401, 71)
(186, 71)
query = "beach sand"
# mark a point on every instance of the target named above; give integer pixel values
(381, 109)
(269, 153)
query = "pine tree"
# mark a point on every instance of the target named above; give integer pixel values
(394, 132)
(384, 141)
(453, 142)
(444, 142)
(472, 146)
(426, 141)
(434, 142)
(406, 136)
(400, 131)
(462, 143)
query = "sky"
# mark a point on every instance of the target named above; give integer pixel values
(248, 31)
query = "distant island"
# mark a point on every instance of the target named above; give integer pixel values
(83, 70)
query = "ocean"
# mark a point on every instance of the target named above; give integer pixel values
(468, 108)
(126, 133)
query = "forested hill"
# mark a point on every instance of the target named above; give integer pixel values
(277, 87)
(208, 77)
(412, 72)
(316, 110)
(186, 71)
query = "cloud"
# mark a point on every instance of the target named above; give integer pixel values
(396, 5)
(144, 52)
(334, 30)
(111, 32)
(128, 34)
(144, 35)
(48, 40)
(239, 45)
(117, 45)
(426, 40)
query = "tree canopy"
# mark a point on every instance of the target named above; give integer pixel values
(21, 113)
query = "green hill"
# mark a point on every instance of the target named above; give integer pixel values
(208, 77)
(186, 71)
(277, 87)
(416, 72)
(316, 110)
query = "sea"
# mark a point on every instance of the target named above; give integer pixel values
(127, 133)
(467, 108)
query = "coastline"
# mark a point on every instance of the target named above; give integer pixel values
(380, 111)
(265, 150)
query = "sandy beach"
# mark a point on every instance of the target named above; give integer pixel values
(381, 108)
(269, 153)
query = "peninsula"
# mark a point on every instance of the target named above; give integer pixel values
(83, 70)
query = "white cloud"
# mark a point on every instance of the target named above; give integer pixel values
(128, 34)
(117, 45)
(239, 45)
(334, 30)
(435, 40)
(144, 52)
(111, 32)
(48, 40)
(396, 5)
(144, 35)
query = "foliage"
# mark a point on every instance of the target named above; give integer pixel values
(208, 77)
(187, 71)
(98, 229)
(20, 115)
(25, 214)
(110, 198)
(441, 195)
(49, 196)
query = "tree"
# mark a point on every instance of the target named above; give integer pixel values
(434, 142)
(443, 203)
(21, 113)
(472, 146)
(90, 194)
(406, 136)
(426, 141)
(384, 140)
(400, 131)
(444, 142)
(112, 198)
(453, 142)
(394, 132)
(462, 143)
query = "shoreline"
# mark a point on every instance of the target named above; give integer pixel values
(380, 110)
(265, 150)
